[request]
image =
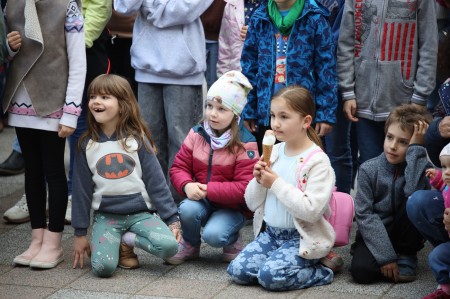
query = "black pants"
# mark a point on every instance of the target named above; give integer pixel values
(405, 239)
(120, 58)
(43, 152)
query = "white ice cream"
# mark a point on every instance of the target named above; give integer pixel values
(269, 139)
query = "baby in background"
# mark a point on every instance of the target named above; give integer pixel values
(440, 178)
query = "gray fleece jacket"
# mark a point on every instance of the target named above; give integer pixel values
(387, 53)
(380, 183)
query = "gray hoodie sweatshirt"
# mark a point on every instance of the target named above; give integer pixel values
(168, 40)
(387, 53)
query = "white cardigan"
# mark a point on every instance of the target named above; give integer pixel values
(308, 207)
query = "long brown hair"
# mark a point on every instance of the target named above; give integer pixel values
(299, 99)
(130, 124)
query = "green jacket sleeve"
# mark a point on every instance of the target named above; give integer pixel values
(96, 15)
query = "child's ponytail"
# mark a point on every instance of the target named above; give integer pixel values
(312, 134)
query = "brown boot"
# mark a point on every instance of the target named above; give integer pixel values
(51, 253)
(127, 258)
(25, 258)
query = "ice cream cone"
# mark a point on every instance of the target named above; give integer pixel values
(267, 152)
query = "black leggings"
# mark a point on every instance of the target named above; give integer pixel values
(43, 152)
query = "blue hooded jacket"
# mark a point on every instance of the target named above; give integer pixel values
(310, 62)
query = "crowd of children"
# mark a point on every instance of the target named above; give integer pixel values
(280, 64)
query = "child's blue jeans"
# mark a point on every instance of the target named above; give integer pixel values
(220, 226)
(272, 260)
(152, 235)
(426, 211)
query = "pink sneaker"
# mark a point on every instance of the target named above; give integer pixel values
(333, 261)
(438, 294)
(185, 252)
(230, 252)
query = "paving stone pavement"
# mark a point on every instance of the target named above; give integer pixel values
(203, 278)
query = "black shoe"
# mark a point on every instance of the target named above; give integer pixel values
(14, 164)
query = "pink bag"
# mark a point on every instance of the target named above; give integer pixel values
(342, 211)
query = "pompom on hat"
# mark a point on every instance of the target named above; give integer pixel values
(445, 151)
(230, 90)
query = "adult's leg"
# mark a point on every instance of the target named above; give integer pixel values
(193, 215)
(150, 98)
(212, 54)
(425, 209)
(52, 149)
(339, 152)
(35, 188)
(183, 106)
(119, 55)
(16, 145)
(222, 228)
(370, 136)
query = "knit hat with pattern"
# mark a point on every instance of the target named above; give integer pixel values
(230, 90)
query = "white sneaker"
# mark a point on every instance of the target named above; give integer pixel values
(19, 212)
(68, 218)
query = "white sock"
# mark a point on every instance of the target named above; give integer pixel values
(128, 238)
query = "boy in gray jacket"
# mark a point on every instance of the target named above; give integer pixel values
(386, 241)
(386, 57)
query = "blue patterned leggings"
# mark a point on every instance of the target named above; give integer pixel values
(272, 260)
(152, 235)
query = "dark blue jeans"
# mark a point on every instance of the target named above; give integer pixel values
(370, 136)
(425, 209)
(212, 54)
(337, 145)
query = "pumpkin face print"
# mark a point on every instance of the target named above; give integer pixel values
(115, 166)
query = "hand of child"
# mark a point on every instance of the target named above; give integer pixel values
(260, 165)
(323, 129)
(14, 40)
(65, 131)
(350, 110)
(418, 137)
(80, 247)
(250, 125)
(268, 176)
(390, 271)
(195, 191)
(430, 173)
(447, 219)
(175, 228)
(444, 127)
(244, 30)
